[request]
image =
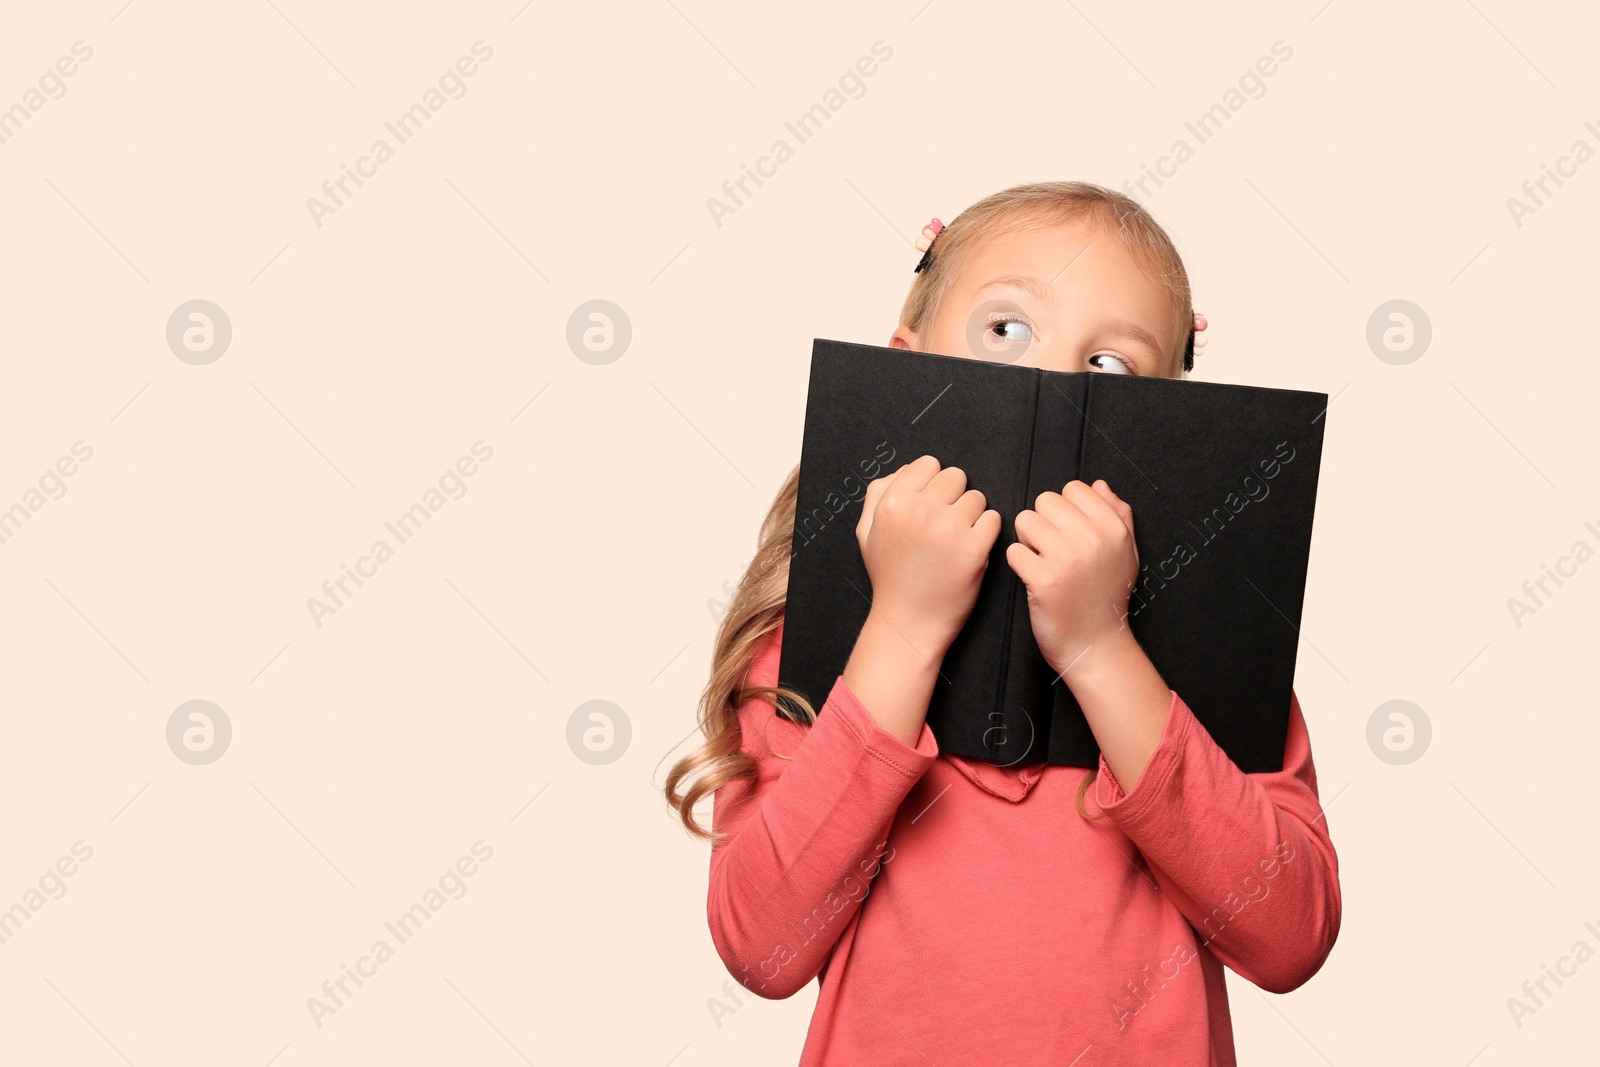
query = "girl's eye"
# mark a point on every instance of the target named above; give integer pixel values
(1007, 333)
(999, 331)
(1110, 363)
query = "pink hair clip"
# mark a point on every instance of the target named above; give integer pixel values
(1197, 341)
(925, 245)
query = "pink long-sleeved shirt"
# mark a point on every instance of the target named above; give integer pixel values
(964, 913)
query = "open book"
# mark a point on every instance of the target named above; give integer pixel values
(1222, 480)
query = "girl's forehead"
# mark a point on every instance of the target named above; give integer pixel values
(1052, 252)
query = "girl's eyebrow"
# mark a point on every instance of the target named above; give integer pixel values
(1137, 332)
(1031, 286)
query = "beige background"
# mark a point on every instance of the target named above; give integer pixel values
(429, 312)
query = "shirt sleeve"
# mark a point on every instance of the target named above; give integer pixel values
(1245, 857)
(806, 835)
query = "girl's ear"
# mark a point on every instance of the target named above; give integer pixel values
(903, 338)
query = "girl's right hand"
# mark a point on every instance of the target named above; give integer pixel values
(926, 538)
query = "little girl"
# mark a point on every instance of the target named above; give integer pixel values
(958, 911)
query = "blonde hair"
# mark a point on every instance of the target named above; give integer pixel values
(757, 607)
(755, 611)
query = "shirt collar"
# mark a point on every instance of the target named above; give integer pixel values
(1008, 783)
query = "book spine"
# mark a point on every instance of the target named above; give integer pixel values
(1078, 463)
(1083, 428)
(1000, 728)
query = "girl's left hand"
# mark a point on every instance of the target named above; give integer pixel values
(1076, 554)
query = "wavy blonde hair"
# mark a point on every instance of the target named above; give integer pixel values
(757, 607)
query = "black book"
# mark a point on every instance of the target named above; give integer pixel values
(1222, 480)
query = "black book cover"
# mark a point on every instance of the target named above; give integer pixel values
(1222, 480)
